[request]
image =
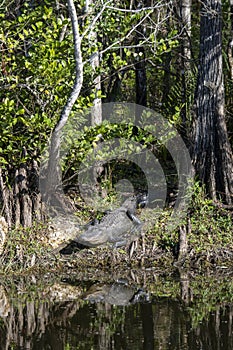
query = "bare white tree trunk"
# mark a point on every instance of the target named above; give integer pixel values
(97, 103)
(53, 175)
(95, 63)
(186, 6)
(185, 13)
(78, 68)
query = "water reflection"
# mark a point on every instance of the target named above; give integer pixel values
(117, 315)
(118, 293)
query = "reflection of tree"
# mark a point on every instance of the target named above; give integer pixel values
(216, 332)
(170, 324)
(147, 326)
(58, 317)
(25, 320)
(185, 290)
(104, 327)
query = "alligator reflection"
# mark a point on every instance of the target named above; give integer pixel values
(118, 293)
(108, 316)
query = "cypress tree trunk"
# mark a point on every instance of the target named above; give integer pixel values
(19, 194)
(212, 153)
(23, 199)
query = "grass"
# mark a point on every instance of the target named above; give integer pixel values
(209, 243)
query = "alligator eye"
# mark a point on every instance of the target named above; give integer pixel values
(142, 200)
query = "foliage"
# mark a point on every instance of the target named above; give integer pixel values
(35, 80)
(209, 231)
(27, 250)
(38, 66)
(209, 292)
(125, 140)
(211, 226)
(37, 73)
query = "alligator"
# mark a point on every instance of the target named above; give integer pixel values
(118, 293)
(117, 228)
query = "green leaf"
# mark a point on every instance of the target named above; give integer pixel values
(3, 161)
(39, 24)
(21, 111)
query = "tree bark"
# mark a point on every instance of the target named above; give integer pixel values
(230, 42)
(183, 243)
(96, 113)
(212, 155)
(167, 66)
(140, 65)
(141, 80)
(5, 195)
(24, 200)
(52, 182)
(185, 13)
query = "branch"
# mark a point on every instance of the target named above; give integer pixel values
(127, 35)
(137, 10)
(90, 27)
(78, 70)
(118, 43)
(52, 178)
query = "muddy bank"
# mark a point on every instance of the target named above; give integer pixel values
(201, 241)
(23, 255)
(149, 258)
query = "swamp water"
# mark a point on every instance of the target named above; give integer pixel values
(139, 310)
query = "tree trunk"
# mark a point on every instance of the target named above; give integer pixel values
(6, 199)
(21, 201)
(230, 42)
(167, 66)
(24, 202)
(185, 13)
(96, 113)
(51, 185)
(140, 65)
(212, 153)
(141, 81)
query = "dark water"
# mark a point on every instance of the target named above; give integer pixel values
(164, 313)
